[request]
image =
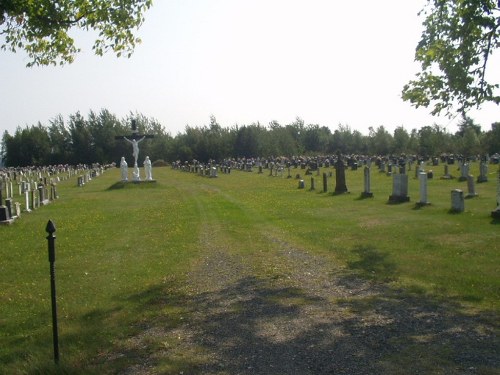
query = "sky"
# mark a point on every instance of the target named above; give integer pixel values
(328, 62)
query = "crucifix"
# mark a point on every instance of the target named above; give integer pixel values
(134, 139)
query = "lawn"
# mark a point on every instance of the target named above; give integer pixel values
(121, 247)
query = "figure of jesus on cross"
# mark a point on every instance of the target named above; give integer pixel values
(134, 139)
(135, 148)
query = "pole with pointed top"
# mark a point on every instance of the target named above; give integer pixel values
(50, 229)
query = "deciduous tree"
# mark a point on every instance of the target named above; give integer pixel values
(454, 51)
(42, 27)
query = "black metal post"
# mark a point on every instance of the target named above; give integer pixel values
(50, 229)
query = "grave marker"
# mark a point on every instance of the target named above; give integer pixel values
(470, 186)
(340, 185)
(423, 189)
(399, 189)
(483, 172)
(457, 200)
(496, 212)
(366, 193)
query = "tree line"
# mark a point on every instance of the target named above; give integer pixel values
(80, 140)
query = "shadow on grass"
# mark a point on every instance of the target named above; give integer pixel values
(373, 264)
(132, 185)
(255, 327)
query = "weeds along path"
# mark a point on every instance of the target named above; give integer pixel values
(258, 303)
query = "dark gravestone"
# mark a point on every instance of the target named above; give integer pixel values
(340, 186)
(4, 213)
(9, 204)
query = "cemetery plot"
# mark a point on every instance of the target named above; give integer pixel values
(191, 274)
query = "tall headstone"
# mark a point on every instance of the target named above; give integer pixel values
(325, 183)
(457, 200)
(496, 212)
(340, 185)
(4, 213)
(366, 192)
(470, 186)
(312, 183)
(423, 189)
(399, 189)
(483, 172)
(27, 201)
(464, 172)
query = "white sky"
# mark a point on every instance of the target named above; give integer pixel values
(325, 61)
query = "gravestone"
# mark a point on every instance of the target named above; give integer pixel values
(33, 199)
(447, 175)
(27, 201)
(340, 185)
(4, 213)
(312, 183)
(325, 183)
(464, 172)
(470, 186)
(366, 193)
(483, 172)
(399, 189)
(496, 212)
(213, 172)
(423, 189)
(9, 203)
(457, 200)
(301, 184)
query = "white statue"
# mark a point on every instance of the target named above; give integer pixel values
(135, 148)
(148, 168)
(124, 169)
(136, 174)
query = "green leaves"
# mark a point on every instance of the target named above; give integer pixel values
(41, 27)
(458, 38)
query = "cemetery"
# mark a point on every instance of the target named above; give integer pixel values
(250, 265)
(130, 247)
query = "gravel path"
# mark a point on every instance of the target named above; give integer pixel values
(284, 310)
(291, 312)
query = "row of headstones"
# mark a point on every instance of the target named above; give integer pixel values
(205, 170)
(400, 190)
(391, 169)
(87, 176)
(35, 194)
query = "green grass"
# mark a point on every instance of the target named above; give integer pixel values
(120, 248)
